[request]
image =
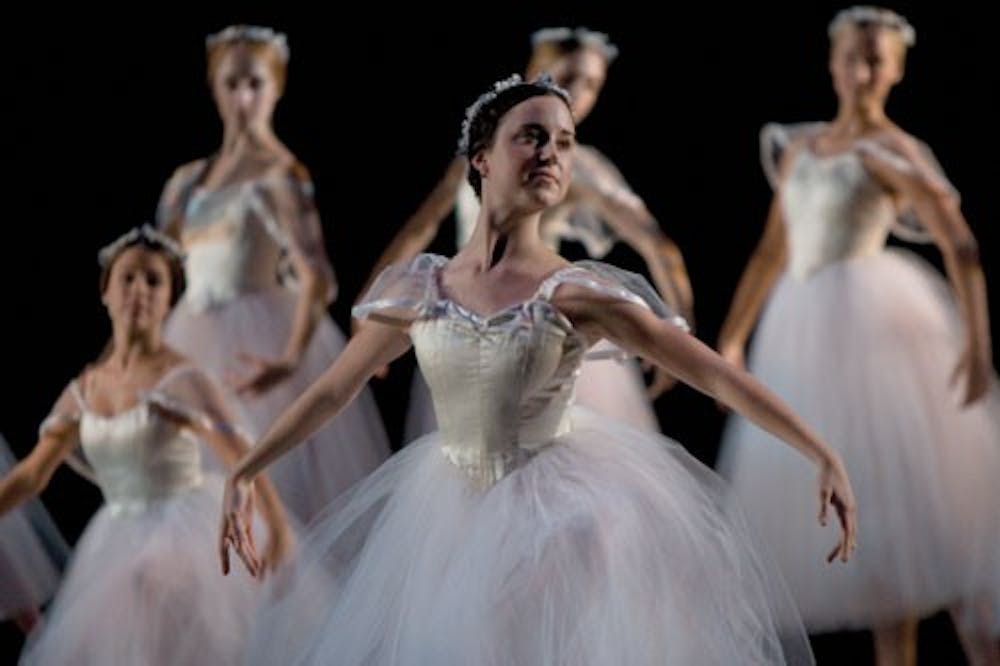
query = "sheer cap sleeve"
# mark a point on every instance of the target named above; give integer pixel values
(173, 200)
(616, 283)
(594, 171)
(775, 138)
(908, 226)
(190, 393)
(287, 207)
(66, 411)
(403, 292)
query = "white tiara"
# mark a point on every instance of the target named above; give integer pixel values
(597, 40)
(514, 80)
(874, 15)
(133, 237)
(251, 33)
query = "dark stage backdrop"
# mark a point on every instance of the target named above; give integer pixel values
(101, 107)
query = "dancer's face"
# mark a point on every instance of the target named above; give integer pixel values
(529, 163)
(244, 87)
(137, 293)
(865, 63)
(582, 73)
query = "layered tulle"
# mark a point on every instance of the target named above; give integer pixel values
(259, 323)
(610, 546)
(144, 587)
(32, 552)
(863, 351)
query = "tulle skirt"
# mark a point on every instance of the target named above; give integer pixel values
(32, 553)
(259, 323)
(144, 586)
(611, 546)
(863, 351)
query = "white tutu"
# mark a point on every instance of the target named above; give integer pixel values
(32, 552)
(241, 296)
(863, 351)
(144, 587)
(611, 546)
(612, 384)
(259, 323)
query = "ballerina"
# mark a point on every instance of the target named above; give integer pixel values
(259, 280)
(599, 210)
(528, 531)
(143, 584)
(861, 341)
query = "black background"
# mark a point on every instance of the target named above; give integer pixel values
(100, 107)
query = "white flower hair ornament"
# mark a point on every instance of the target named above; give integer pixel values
(134, 236)
(251, 33)
(886, 18)
(513, 81)
(596, 40)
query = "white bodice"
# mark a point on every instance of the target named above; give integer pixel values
(149, 451)
(501, 384)
(139, 455)
(234, 245)
(833, 210)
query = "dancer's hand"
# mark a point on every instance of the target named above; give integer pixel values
(235, 530)
(266, 374)
(280, 543)
(662, 380)
(973, 372)
(835, 489)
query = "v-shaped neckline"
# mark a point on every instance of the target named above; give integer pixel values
(142, 396)
(537, 295)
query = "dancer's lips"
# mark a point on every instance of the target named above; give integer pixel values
(544, 174)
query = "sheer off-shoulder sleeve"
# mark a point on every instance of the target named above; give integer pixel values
(66, 411)
(64, 415)
(194, 396)
(404, 292)
(922, 163)
(616, 283)
(775, 138)
(287, 207)
(175, 195)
